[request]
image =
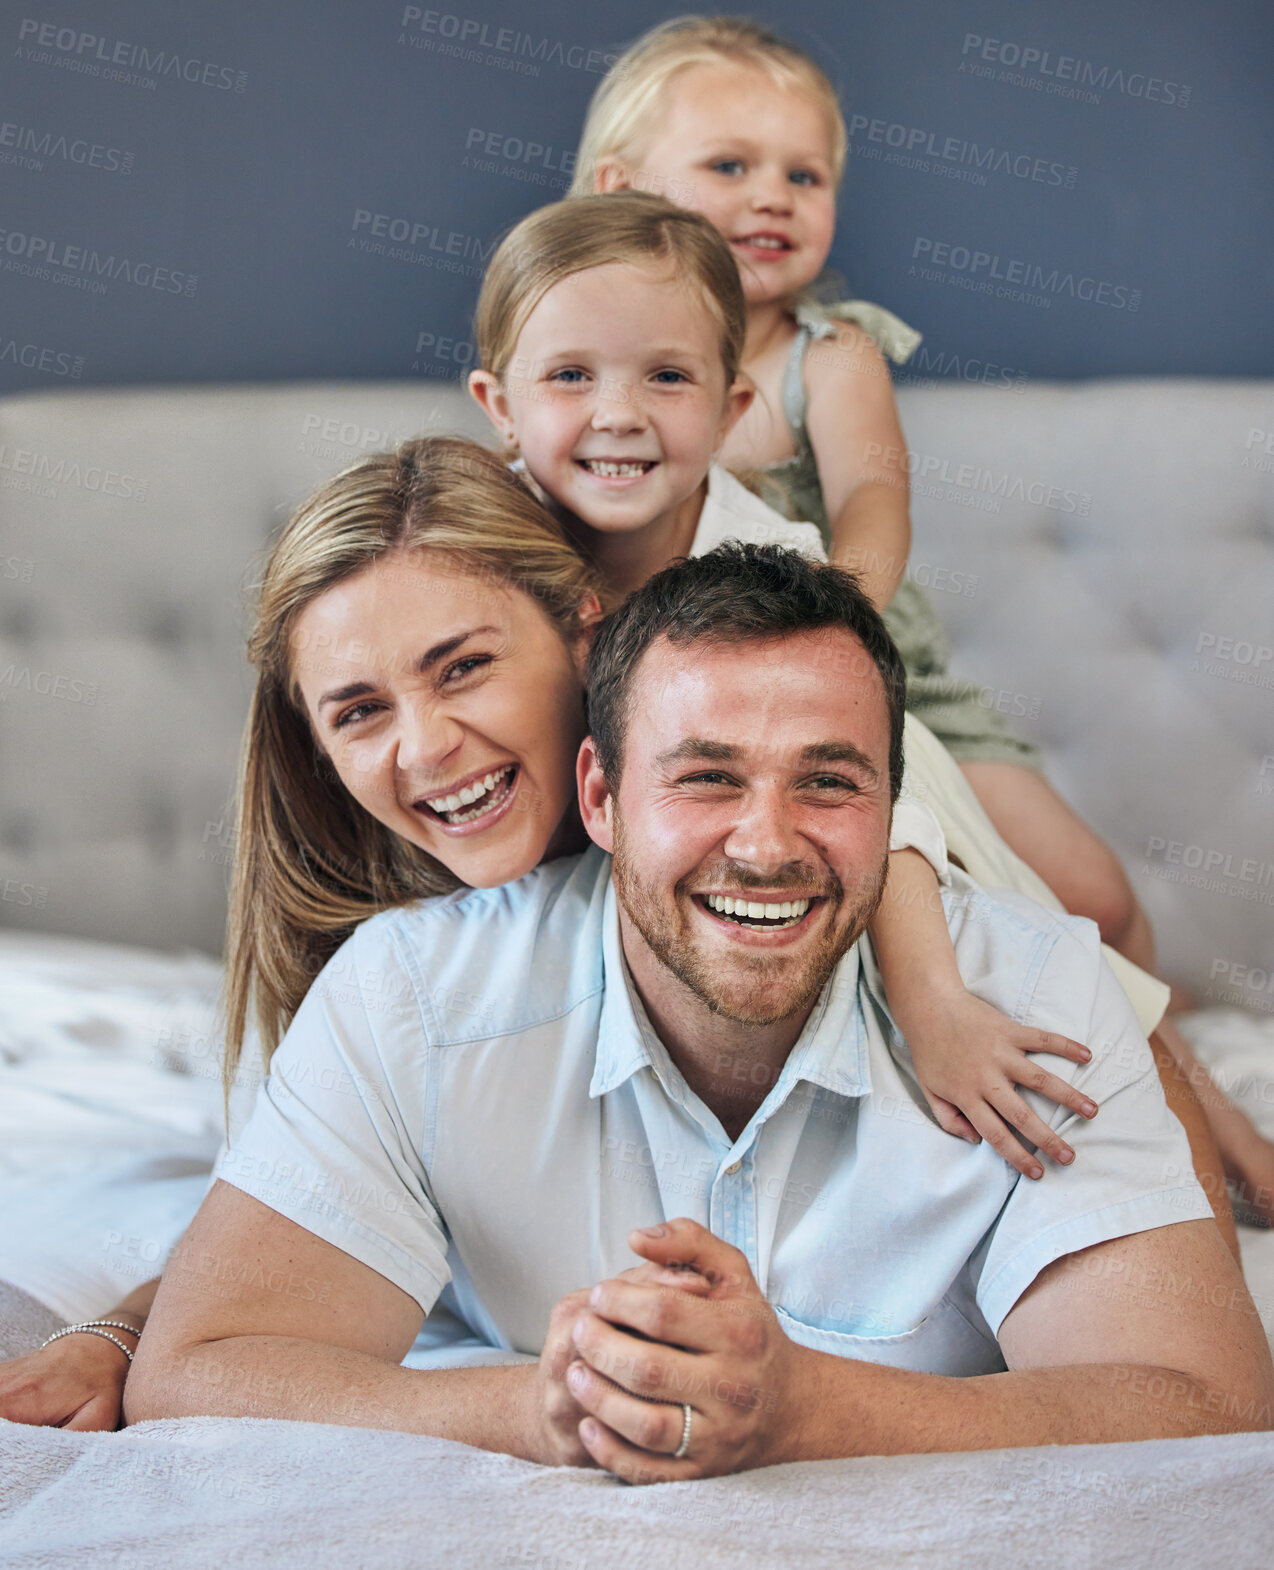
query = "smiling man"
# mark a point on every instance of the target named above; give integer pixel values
(695, 1031)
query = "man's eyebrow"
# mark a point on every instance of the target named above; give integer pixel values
(699, 749)
(440, 651)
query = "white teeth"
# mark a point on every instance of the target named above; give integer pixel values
(767, 242)
(614, 471)
(789, 911)
(468, 795)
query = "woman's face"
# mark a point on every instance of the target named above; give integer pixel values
(451, 708)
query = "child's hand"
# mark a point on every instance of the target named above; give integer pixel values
(969, 1060)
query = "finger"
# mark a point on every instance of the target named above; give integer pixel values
(1032, 1077)
(994, 1130)
(1015, 1111)
(643, 1368)
(649, 1425)
(951, 1120)
(101, 1413)
(663, 1314)
(630, 1464)
(684, 1242)
(1059, 1046)
(680, 1279)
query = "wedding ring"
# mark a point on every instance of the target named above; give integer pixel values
(683, 1449)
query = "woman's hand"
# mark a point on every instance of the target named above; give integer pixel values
(74, 1382)
(970, 1059)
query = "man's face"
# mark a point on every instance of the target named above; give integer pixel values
(755, 777)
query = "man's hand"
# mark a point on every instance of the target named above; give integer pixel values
(557, 1413)
(696, 1332)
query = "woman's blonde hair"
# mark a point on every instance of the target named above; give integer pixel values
(627, 101)
(310, 862)
(581, 233)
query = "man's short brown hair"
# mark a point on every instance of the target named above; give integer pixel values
(734, 594)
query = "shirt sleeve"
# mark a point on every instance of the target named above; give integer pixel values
(1132, 1170)
(329, 1141)
(914, 827)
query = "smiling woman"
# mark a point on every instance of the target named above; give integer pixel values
(420, 641)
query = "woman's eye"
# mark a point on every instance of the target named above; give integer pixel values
(351, 716)
(459, 669)
(728, 166)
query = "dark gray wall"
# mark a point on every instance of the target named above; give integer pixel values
(188, 189)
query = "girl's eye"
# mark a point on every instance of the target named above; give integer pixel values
(459, 669)
(570, 375)
(670, 378)
(728, 166)
(352, 715)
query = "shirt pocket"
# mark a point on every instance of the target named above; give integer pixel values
(943, 1342)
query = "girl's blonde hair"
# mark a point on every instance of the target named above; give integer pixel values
(310, 862)
(581, 233)
(627, 101)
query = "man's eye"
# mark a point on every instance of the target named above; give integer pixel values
(459, 669)
(831, 782)
(352, 715)
(708, 777)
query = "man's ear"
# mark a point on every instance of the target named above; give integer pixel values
(594, 796)
(610, 174)
(737, 402)
(487, 391)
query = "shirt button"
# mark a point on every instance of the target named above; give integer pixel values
(731, 1170)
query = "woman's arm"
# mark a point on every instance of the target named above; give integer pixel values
(860, 450)
(968, 1056)
(76, 1381)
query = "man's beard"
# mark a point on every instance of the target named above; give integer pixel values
(759, 988)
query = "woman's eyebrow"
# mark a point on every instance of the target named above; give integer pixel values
(440, 651)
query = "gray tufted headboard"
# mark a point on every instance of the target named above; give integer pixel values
(1102, 553)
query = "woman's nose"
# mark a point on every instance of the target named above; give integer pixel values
(427, 737)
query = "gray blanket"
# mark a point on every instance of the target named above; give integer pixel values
(211, 1492)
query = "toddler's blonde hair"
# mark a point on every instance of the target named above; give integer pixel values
(630, 95)
(574, 236)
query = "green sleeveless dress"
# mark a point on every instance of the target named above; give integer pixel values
(953, 709)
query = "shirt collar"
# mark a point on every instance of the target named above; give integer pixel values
(831, 1050)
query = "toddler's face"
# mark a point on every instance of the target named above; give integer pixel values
(756, 160)
(616, 395)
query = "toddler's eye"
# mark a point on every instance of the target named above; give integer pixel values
(728, 166)
(803, 177)
(571, 375)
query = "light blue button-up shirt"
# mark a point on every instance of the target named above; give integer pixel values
(472, 1101)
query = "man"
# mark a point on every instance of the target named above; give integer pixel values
(493, 1097)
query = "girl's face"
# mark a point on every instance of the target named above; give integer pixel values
(616, 395)
(755, 159)
(451, 708)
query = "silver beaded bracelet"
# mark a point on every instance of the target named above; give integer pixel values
(94, 1327)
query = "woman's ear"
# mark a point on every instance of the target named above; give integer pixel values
(610, 174)
(487, 391)
(590, 615)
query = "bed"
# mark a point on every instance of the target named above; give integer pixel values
(121, 695)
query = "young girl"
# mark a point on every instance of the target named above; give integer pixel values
(609, 331)
(724, 117)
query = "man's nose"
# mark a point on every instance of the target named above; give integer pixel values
(764, 835)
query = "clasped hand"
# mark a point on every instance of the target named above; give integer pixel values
(690, 1327)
